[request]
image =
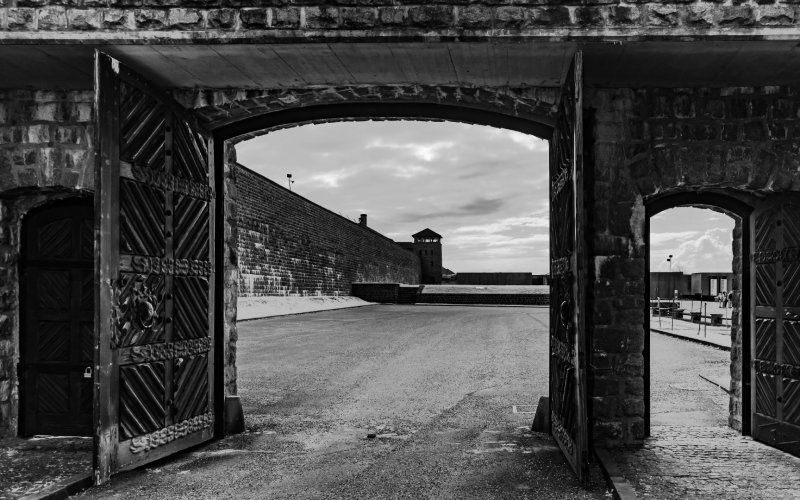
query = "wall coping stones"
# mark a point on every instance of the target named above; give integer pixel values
(189, 21)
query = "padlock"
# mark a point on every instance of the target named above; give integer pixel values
(87, 372)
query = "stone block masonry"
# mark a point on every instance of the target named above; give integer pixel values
(289, 245)
(46, 139)
(741, 141)
(235, 19)
(46, 153)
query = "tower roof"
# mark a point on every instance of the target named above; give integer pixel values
(426, 233)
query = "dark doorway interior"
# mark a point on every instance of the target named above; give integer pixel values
(57, 314)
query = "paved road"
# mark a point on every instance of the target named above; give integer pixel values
(435, 384)
(679, 396)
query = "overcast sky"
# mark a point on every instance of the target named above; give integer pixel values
(483, 189)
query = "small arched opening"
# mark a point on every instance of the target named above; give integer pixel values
(710, 307)
(57, 295)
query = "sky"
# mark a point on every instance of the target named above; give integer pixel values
(483, 189)
(700, 240)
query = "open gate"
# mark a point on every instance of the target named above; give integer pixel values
(775, 322)
(568, 271)
(155, 262)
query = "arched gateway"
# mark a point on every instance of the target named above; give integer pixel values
(640, 102)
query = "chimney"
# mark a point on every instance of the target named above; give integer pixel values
(362, 220)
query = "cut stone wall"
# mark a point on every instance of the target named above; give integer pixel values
(366, 18)
(648, 142)
(45, 155)
(735, 403)
(220, 106)
(46, 139)
(289, 245)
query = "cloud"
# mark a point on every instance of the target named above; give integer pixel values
(507, 224)
(411, 171)
(711, 251)
(421, 151)
(529, 142)
(477, 207)
(331, 179)
(481, 206)
(658, 239)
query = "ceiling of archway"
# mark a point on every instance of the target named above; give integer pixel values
(510, 63)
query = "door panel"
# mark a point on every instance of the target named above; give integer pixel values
(775, 369)
(568, 276)
(155, 266)
(55, 320)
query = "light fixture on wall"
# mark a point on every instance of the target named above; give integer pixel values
(289, 180)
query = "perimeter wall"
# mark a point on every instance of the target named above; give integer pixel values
(289, 245)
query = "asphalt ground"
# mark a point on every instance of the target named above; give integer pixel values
(435, 386)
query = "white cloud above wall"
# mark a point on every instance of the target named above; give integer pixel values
(703, 245)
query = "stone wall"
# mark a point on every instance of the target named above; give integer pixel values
(253, 18)
(650, 142)
(46, 139)
(289, 245)
(498, 299)
(216, 107)
(45, 155)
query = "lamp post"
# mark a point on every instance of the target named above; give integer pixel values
(672, 289)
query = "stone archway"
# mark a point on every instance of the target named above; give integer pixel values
(307, 110)
(737, 206)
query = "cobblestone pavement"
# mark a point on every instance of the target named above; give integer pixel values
(692, 453)
(29, 466)
(710, 462)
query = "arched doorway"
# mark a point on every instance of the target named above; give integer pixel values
(57, 319)
(738, 206)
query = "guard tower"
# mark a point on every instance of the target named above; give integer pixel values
(428, 247)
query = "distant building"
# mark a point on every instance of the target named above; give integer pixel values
(427, 245)
(496, 279)
(664, 284)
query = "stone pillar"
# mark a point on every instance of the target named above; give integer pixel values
(735, 416)
(617, 253)
(234, 421)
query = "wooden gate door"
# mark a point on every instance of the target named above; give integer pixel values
(568, 276)
(775, 322)
(57, 303)
(155, 260)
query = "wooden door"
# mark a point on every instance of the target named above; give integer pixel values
(57, 333)
(775, 322)
(155, 266)
(568, 271)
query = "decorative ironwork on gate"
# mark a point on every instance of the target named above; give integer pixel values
(156, 273)
(775, 327)
(567, 271)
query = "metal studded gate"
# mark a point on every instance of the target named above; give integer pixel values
(775, 322)
(154, 259)
(568, 276)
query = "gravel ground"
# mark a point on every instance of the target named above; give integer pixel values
(434, 385)
(28, 466)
